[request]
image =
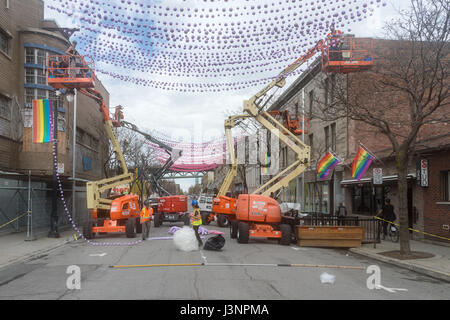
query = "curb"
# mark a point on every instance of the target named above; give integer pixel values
(419, 269)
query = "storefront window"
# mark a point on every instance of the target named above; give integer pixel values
(317, 198)
(362, 199)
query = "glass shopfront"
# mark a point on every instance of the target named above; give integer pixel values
(317, 197)
(368, 199)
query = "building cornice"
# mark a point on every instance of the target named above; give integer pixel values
(45, 33)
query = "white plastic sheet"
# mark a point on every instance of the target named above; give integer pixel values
(185, 240)
(327, 278)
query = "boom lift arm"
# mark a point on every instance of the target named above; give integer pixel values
(255, 107)
(229, 125)
(174, 154)
(94, 189)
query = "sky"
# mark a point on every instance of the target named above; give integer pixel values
(199, 116)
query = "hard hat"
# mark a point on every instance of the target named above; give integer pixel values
(194, 202)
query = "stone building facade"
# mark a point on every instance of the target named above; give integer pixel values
(26, 41)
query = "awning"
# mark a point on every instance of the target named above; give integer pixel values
(369, 180)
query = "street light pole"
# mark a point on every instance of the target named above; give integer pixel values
(74, 183)
(54, 215)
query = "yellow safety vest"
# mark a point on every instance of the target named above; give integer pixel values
(196, 218)
(145, 214)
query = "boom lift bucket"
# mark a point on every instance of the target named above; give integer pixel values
(353, 55)
(70, 72)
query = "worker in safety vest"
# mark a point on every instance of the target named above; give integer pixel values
(196, 221)
(146, 215)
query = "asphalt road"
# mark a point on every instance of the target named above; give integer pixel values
(45, 277)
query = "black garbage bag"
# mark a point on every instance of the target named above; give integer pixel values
(215, 243)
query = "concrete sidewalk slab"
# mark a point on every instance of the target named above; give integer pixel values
(14, 248)
(436, 267)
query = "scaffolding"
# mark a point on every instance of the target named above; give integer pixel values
(26, 204)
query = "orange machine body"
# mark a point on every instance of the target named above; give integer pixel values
(260, 212)
(122, 208)
(172, 204)
(224, 205)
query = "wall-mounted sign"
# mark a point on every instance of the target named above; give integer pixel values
(60, 169)
(377, 176)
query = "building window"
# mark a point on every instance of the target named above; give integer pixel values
(94, 144)
(35, 56)
(327, 91)
(29, 96)
(311, 102)
(30, 75)
(317, 197)
(41, 94)
(445, 186)
(29, 56)
(80, 135)
(41, 77)
(311, 142)
(4, 41)
(41, 57)
(5, 107)
(333, 137)
(330, 84)
(284, 157)
(36, 76)
(330, 137)
(362, 200)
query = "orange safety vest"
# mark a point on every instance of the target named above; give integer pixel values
(196, 217)
(146, 214)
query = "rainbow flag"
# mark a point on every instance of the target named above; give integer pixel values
(326, 164)
(361, 163)
(42, 121)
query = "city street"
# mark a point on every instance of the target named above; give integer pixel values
(45, 277)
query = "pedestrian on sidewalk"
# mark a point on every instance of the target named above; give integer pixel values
(196, 221)
(341, 213)
(146, 215)
(387, 214)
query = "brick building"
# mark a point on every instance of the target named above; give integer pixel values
(26, 40)
(428, 206)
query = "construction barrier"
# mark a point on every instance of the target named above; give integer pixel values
(330, 236)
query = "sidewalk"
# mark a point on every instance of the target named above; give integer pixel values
(436, 267)
(14, 248)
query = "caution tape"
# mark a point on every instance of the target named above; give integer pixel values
(425, 233)
(15, 219)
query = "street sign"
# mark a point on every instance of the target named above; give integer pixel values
(378, 176)
(60, 169)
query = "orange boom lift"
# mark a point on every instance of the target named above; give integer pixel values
(257, 214)
(120, 213)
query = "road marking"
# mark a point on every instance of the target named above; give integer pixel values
(203, 256)
(98, 254)
(391, 290)
(298, 249)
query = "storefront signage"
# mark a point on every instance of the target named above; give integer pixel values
(424, 173)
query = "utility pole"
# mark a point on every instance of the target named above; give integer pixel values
(54, 215)
(74, 146)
